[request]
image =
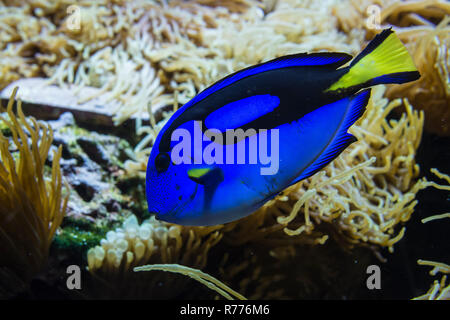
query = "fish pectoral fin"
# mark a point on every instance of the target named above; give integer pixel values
(210, 175)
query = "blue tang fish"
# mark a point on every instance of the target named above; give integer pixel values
(241, 141)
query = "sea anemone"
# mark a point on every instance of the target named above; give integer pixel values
(439, 290)
(31, 206)
(430, 48)
(151, 242)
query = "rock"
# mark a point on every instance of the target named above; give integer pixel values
(66, 119)
(94, 151)
(86, 189)
(47, 101)
(112, 205)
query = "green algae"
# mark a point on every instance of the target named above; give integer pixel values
(78, 235)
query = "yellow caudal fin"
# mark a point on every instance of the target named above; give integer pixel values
(384, 60)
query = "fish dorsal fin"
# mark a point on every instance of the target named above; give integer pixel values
(342, 139)
(330, 60)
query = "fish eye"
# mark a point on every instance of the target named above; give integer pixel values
(162, 162)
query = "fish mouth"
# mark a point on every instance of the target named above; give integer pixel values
(157, 215)
(164, 217)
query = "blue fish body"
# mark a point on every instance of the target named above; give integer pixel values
(294, 112)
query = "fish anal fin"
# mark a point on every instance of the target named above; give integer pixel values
(332, 154)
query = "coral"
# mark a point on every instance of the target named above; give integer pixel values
(32, 207)
(151, 242)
